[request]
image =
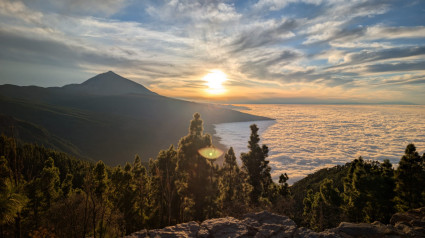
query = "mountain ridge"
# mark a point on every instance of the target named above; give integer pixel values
(112, 127)
(109, 83)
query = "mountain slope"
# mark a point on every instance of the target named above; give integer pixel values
(26, 131)
(110, 126)
(108, 83)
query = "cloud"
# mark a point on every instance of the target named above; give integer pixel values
(275, 5)
(12, 10)
(280, 48)
(79, 7)
(394, 53)
(265, 34)
(384, 32)
(397, 67)
(305, 138)
(213, 12)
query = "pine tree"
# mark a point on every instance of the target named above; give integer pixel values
(66, 186)
(410, 180)
(99, 198)
(124, 195)
(283, 185)
(12, 201)
(233, 187)
(321, 210)
(164, 176)
(368, 191)
(196, 192)
(142, 183)
(49, 183)
(256, 165)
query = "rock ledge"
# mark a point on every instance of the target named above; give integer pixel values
(265, 224)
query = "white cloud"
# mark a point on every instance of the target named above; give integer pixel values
(275, 5)
(79, 7)
(179, 40)
(386, 32)
(305, 138)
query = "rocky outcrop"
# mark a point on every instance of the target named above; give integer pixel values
(265, 224)
(411, 223)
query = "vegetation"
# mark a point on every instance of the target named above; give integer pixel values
(45, 193)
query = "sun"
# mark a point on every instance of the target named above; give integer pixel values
(214, 81)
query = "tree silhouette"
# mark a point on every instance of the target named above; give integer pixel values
(233, 186)
(410, 180)
(194, 187)
(256, 165)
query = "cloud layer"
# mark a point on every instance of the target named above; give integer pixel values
(336, 50)
(306, 138)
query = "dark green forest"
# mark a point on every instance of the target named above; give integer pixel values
(46, 193)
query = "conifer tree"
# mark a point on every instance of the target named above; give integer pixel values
(142, 188)
(368, 191)
(66, 186)
(321, 210)
(11, 200)
(256, 165)
(196, 192)
(99, 198)
(410, 180)
(233, 186)
(124, 195)
(49, 183)
(164, 191)
(283, 185)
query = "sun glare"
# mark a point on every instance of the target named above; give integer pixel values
(214, 81)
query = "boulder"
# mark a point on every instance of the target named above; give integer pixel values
(189, 229)
(270, 225)
(223, 227)
(410, 223)
(366, 230)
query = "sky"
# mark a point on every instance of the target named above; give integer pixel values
(270, 51)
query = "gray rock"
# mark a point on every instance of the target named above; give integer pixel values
(189, 229)
(411, 223)
(373, 230)
(269, 225)
(264, 217)
(223, 227)
(138, 234)
(303, 232)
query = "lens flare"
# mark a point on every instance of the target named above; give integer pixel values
(210, 152)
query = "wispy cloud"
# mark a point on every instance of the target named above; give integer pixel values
(273, 47)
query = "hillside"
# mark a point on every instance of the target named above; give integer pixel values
(312, 181)
(26, 131)
(110, 118)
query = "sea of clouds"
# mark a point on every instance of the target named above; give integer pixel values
(305, 138)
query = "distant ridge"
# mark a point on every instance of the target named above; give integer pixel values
(107, 117)
(109, 83)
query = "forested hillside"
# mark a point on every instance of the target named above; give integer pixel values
(44, 193)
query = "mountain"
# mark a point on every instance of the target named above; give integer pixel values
(106, 124)
(109, 83)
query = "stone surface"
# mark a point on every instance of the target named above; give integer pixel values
(374, 230)
(411, 223)
(268, 225)
(223, 227)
